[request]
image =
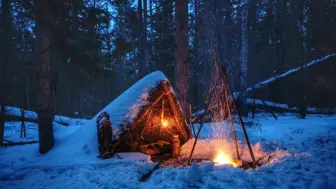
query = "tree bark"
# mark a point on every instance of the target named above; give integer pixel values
(4, 58)
(181, 53)
(144, 40)
(244, 55)
(141, 40)
(45, 101)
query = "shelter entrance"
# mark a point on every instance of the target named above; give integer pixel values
(156, 125)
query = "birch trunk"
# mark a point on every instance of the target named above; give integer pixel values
(181, 53)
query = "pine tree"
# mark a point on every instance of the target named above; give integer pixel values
(44, 76)
(5, 35)
(181, 53)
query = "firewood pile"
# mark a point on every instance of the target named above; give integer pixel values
(158, 147)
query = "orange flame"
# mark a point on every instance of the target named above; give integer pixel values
(164, 123)
(221, 158)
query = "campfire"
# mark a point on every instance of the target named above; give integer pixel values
(223, 159)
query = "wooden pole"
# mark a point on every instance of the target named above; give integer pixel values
(273, 114)
(240, 118)
(162, 111)
(191, 127)
(253, 105)
(180, 120)
(23, 127)
(231, 121)
(146, 176)
(203, 119)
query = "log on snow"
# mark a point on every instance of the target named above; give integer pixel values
(276, 107)
(290, 72)
(19, 143)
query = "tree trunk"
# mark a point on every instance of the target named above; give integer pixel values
(196, 57)
(304, 21)
(141, 40)
(45, 101)
(5, 34)
(244, 55)
(145, 36)
(181, 53)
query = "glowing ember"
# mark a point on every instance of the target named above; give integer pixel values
(164, 123)
(222, 159)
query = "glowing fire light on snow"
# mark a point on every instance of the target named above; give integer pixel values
(222, 159)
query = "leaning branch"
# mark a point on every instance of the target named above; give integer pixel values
(271, 80)
(292, 71)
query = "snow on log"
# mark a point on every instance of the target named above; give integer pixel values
(286, 108)
(279, 108)
(31, 116)
(292, 71)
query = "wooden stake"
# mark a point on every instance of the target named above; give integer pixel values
(191, 126)
(23, 126)
(240, 118)
(273, 114)
(180, 120)
(162, 111)
(232, 125)
(203, 119)
(253, 106)
(146, 176)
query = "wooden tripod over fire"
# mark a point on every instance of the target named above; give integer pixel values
(224, 79)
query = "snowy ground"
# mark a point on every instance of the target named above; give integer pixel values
(309, 162)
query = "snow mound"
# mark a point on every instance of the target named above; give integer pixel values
(82, 145)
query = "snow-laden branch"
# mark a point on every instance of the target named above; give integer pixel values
(292, 71)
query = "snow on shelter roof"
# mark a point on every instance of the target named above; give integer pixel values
(83, 143)
(127, 106)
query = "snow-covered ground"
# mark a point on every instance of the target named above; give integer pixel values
(306, 149)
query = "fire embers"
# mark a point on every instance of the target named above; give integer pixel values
(104, 128)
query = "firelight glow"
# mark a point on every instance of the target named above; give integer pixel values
(222, 159)
(164, 123)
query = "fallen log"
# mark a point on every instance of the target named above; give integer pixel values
(273, 79)
(289, 72)
(8, 141)
(14, 114)
(19, 143)
(277, 107)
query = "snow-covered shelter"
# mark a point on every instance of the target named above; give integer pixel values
(146, 116)
(143, 118)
